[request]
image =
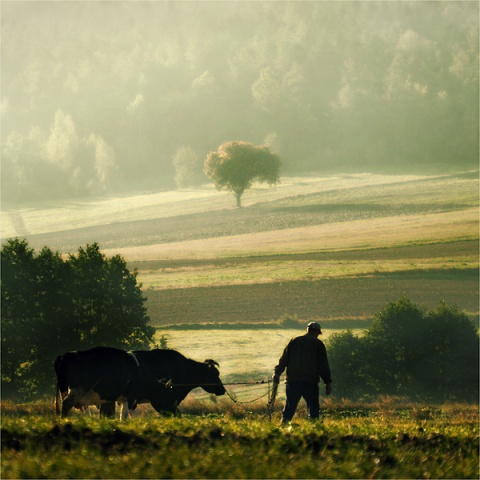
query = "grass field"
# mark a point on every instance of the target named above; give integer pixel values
(46, 218)
(338, 247)
(333, 249)
(166, 222)
(244, 355)
(384, 440)
(363, 289)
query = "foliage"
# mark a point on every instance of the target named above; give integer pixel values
(344, 86)
(188, 168)
(237, 164)
(51, 305)
(407, 351)
(346, 361)
(162, 343)
(364, 442)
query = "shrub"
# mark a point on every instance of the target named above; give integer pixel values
(428, 355)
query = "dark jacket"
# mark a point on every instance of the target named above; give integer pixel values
(305, 358)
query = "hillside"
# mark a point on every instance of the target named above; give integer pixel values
(337, 297)
(333, 247)
(203, 213)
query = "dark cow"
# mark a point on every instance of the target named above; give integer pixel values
(185, 375)
(102, 375)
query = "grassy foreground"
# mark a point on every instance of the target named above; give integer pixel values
(351, 441)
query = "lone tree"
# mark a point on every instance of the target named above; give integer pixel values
(236, 165)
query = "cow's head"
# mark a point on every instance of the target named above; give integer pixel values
(164, 398)
(211, 381)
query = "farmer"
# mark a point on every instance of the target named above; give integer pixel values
(305, 359)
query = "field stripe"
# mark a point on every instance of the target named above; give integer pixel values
(371, 233)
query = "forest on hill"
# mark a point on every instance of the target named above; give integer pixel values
(102, 97)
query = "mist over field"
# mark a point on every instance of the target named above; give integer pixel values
(111, 97)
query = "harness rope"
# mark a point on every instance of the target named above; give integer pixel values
(271, 398)
(271, 393)
(233, 397)
(261, 382)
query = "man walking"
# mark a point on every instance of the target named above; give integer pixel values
(306, 361)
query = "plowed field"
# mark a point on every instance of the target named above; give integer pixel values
(352, 296)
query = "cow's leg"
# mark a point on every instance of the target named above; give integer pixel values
(107, 410)
(68, 404)
(57, 402)
(124, 411)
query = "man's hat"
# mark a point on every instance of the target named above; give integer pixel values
(314, 326)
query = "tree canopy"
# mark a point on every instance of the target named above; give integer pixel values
(51, 306)
(426, 355)
(236, 165)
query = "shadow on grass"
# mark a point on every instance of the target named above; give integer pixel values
(287, 325)
(469, 273)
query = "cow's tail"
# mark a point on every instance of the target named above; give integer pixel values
(57, 393)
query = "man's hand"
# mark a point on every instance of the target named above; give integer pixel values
(276, 378)
(328, 389)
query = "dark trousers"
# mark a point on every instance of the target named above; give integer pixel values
(295, 391)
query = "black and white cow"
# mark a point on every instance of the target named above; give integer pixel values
(184, 373)
(103, 375)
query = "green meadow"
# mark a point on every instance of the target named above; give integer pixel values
(382, 440)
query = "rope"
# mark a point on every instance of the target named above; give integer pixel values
(170, 384)
(271, 398)
(232, 396)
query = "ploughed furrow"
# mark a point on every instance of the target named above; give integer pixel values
(322, 299)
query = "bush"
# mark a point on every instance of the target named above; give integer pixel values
(427, 355)
(51, 305)
(346, 361)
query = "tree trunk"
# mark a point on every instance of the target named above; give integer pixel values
(238, 196)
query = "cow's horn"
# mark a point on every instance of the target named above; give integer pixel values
(211, 362)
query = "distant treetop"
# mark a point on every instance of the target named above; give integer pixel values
(236, 165)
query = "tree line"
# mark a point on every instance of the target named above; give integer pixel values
(427, 355)
(107, 98)
(51, 305)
